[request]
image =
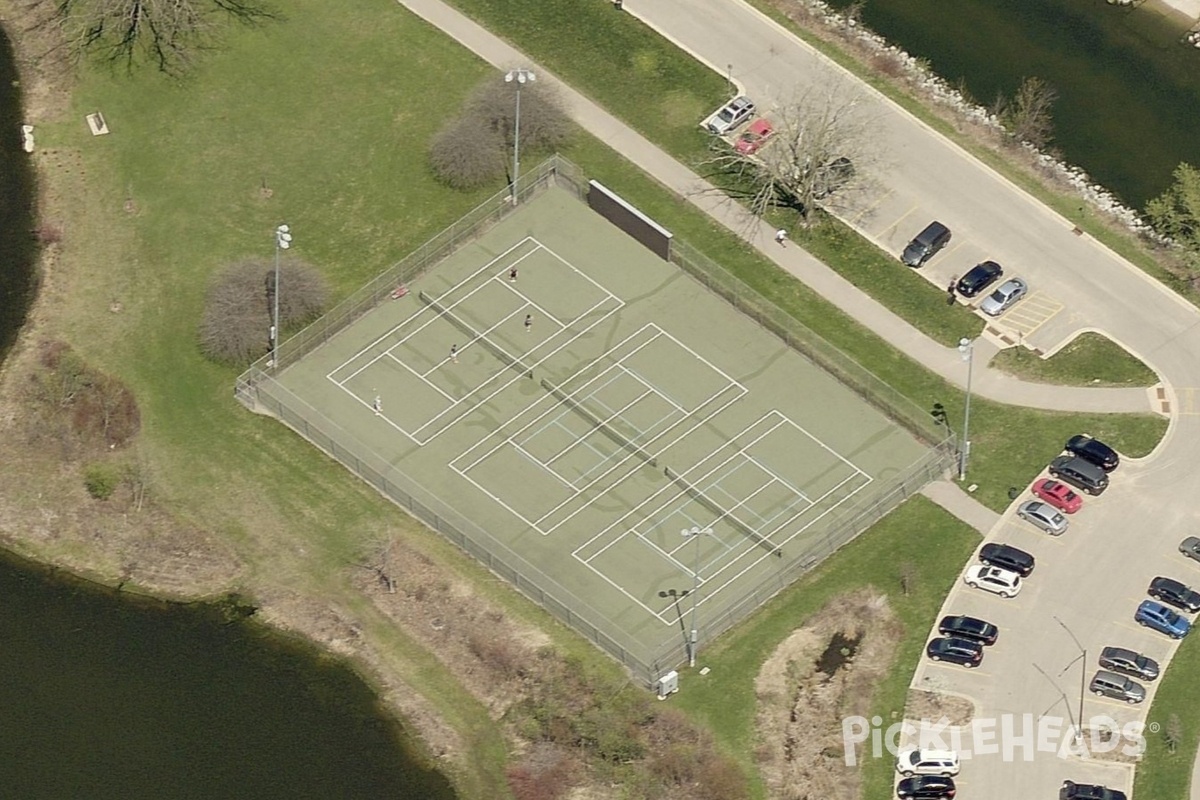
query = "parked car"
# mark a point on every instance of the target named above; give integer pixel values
(731, 115)
(1190, 547)
(1005, 297)
(926, 787)
(1118, 687)
(1079, 473)
(1158, 617)
(833, 176)
(1174, 593)
(926, 244)
(927, 762)
(1088, 791)
(957, 651)
(754, 137)
(979, 277)
(993, 579)
(964, 627)
(1008, 557)
(1093, 450)
(1128, 662)
(1044, 516)
(1058, 495)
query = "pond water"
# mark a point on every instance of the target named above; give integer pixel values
(109, 696)
(104, 695)
(1129, 92)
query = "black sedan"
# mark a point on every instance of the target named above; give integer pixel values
(1007, 557)
(1093, 450)
(979, 278)
(1129, 662)
(957, 651)
(926, 787)
(973, 628)
(1174, 593)
(1088, 791)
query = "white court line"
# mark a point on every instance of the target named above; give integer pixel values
(594, 429)
(481, 336)
(418, 313)
(404, 364)
(633, 373)
(517, 377)
(671, 486)
(531, 457)
(546, 314)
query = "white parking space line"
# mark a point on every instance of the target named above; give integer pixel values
(1030, 314)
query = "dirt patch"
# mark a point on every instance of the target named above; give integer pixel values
(934, 706)
(820, 674)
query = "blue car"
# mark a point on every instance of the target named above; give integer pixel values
(1162, 619)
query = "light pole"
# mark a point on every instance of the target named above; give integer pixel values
(966, 348)
(675, 594)
(1082, 659)
(695, 532)
(521, 76)
(283, 240)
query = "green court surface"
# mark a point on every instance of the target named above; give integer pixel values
(584, 412)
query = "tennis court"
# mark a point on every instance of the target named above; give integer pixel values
(583, 403)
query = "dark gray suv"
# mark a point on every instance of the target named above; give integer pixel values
(1079, 473)
(926, 244)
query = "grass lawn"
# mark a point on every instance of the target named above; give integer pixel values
(1089, 360)
(325, 133)
(1165, 772)
(725, 697)
(884, 278)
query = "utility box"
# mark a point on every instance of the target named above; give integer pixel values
(668, 684)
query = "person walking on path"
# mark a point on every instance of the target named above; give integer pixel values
(512, 275)
(377, 405)
(781, 237)
(528, 322)
(454, 353)
(950, 290)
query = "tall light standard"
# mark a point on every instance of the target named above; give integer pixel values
(283, 240)
(695, 533)
(966, 347)
(1083, 665)
(521, 76)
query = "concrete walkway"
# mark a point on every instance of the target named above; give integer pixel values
(952, 497)
(945, 361)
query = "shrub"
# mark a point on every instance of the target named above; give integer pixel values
(101, 480)
(465, 155)
(236, 327)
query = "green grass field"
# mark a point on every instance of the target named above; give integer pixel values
(1089, 360)
(334, 127)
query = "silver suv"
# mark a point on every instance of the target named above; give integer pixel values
(927, 762)
(731, 115)
(1110, 684)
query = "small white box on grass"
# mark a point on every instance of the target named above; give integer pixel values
(668, 684)
(96, 124)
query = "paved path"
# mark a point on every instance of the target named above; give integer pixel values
(952, 497)
(1092, 578)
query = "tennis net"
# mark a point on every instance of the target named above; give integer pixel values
(599, 424)
(721, 513)
(476, 336)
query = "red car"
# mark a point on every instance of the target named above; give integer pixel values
(1058, 495)
(754, 137)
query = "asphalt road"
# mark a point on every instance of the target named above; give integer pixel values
(1094, 576)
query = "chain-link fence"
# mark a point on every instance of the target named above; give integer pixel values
(257, 389)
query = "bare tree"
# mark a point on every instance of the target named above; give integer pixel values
(472, 150)
(237, 316)
(467, 155)
(1028, 116)
(1173, 732)
(819, 152)
(166, 33)
(544, 123)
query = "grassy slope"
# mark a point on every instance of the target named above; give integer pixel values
(725, 697)
(1089, 360)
